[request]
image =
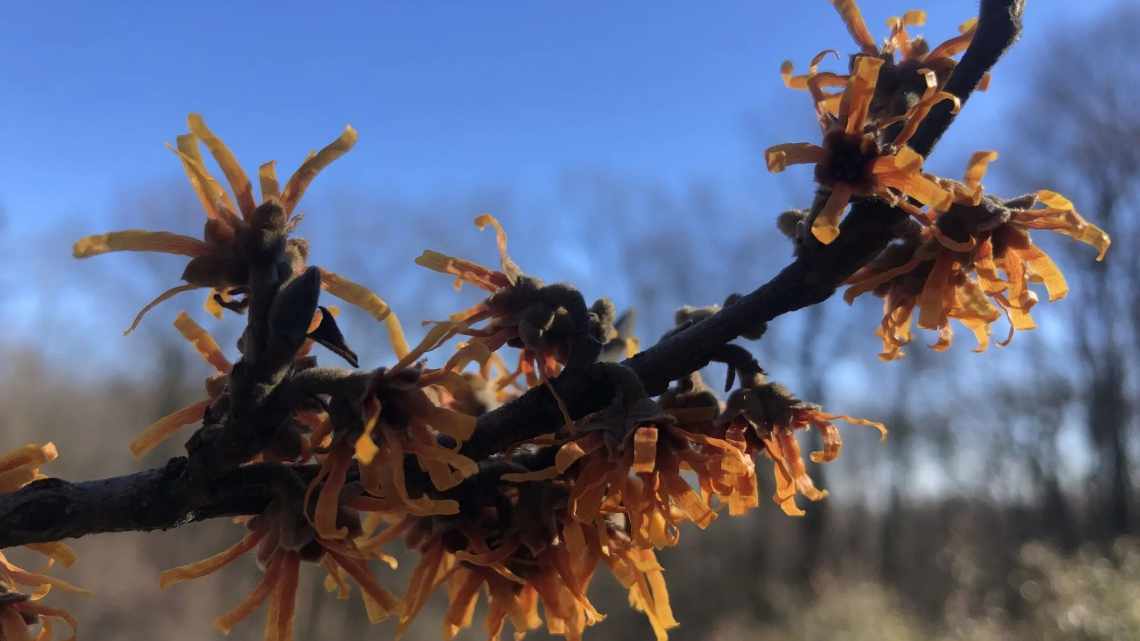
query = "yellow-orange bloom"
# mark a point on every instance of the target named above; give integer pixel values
(520, 312)
(282, 540)
(973, 264)
(763, 418)
(22, 590)
(218, 261)
(857, 159)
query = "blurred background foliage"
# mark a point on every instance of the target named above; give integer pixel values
(1000, 508)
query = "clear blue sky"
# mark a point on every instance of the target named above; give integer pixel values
(447, 97)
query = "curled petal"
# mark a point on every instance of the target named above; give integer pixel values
(439, 334)
(920, 111)
(571, 452)
(30, 455)
(239, 182)
(1041, 266)
(201, 568)
(23, 577)
(265, 586)
(856, 26)
(792, 153)
(166, 427)
(871, 281)
(919, 187)
(957, 44)
(312, 166)
(860, 90)
(279, 622)
(139, 240)
(882, 429)
(213, 198)
(219, 206)
(825, 227)
(161, 298)
(976, 170)
(463, 270)
(1076, 226)
(507, 266)
(355, 294)
(932, 302)
(832, 444)
(202, 342)
(328, 501)
(56, 551)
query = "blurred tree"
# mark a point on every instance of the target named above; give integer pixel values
(1086, 115)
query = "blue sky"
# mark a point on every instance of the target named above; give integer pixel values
(449, 99)
(445, 95)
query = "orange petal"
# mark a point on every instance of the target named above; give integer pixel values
(239, 182)
(212, 564)
(312, 166)
(957, 44)
(778, 157)
(976, 170)
(569, 453)
(202, 342)
(213, 198)
(379, 603)
(825, 227)
(1040, 265)
(32, 454)
(644, 450)
(856, 26)
(355, 294)
(932, 300)
(265, 586)
(167, 426)
(860, 90)
(267, 176)
(328, 501)
(140, 241)
(56, 551)
(161, 298)
(507, 266)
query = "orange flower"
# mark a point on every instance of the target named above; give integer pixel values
(629, 459)
(954, 268)
(861, 156)
(764, 418)
(542, 321)
(21, 590)
(900, 49)
(397, 418)
(515, 579)
(283, 539)
(219, 260)
(542, 556)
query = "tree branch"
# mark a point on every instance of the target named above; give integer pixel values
(999, 25)
(169, 496)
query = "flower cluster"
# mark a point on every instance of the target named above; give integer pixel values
(352, 461)
(529, 527)
(973, 264)
(21, 591)
(968, 255)
(221, 260)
